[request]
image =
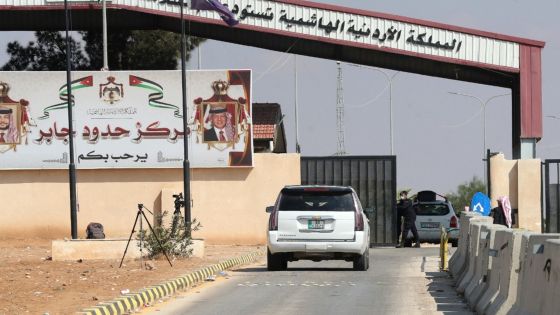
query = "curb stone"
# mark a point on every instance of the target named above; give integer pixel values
(127, 303)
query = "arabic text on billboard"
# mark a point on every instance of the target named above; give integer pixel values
(125, 119)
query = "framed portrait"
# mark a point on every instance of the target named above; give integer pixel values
(10, 123)
(220, 123)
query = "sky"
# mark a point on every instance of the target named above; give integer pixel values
(438, 136)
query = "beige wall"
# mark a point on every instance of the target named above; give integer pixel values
(529, 194)
(503, 177)
(230, 203)
(520, 180)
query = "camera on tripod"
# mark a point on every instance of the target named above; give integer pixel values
(179, 202)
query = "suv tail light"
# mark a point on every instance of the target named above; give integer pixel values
(273, 221)
(453, 222)
(358, 221)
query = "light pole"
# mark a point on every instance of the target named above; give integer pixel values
(390, 81)
(298, 148)
(105, 56)
(483, 106)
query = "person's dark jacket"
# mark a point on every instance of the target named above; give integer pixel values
(210, 135)
(405, 207)
(499, 216)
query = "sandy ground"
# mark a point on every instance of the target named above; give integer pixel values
(30, 282)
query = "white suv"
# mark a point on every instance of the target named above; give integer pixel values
(317, 223)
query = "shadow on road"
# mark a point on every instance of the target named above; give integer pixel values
(320, 269)
(263, 269)
(442, 289)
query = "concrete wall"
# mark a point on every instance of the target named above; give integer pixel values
(230, 203)
(520, 180)
(523, 277)
(529, 194)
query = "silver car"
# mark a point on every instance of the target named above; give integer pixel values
(434, 211)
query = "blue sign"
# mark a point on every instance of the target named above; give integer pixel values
(480, 203)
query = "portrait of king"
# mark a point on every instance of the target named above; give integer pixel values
(14, 120)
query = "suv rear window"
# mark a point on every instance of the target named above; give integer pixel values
(432, 209)
(316, 201)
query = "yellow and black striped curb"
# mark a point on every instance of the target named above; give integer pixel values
(130, 302)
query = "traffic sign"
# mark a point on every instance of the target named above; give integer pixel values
(480, 203)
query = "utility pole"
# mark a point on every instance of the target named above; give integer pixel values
(72, 165)
(105, 55)
(186, 162)
(298, 148)
(483, 105)
(340, 150)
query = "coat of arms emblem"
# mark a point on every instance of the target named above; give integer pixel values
(111, 92)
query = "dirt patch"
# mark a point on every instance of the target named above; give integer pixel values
(32, 283)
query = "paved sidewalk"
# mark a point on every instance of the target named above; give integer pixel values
(431, 290)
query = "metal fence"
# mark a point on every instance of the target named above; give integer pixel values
(373, 177)
(551, 194)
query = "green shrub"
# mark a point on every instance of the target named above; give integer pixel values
(175, 239)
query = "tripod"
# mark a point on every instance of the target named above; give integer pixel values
(139, 215)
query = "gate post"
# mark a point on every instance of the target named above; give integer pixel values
(488, 179)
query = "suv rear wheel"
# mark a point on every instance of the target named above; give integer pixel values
(276, 262)
(361, 262)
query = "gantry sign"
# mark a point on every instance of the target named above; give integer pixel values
(332, 32)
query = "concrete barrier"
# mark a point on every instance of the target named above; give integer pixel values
(63, 250)
(534, 277)
(479, 282)
(551, 271)
(458, 260)
(480, 262)
(507, 248)
(508, 306)
(475, 235)
(505, 271)
(462, 272)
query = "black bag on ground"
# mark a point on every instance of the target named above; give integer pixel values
(95, 231)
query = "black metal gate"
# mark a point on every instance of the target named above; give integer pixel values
(373, 177)
(551, 196)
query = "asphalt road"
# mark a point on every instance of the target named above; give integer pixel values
(399, 281)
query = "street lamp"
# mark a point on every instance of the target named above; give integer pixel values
(390, 81)
(483, 106)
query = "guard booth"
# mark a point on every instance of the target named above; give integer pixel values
(375, 180)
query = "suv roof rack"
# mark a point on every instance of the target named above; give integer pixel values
(298, 188)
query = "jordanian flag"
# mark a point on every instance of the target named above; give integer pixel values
(214, 5)
(156, 95)
(63, 94)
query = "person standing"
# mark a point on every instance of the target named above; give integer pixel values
(502, 213)
(399, 213)
(409, 215)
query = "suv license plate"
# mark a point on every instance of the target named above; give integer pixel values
(315, 224)
(429, 225)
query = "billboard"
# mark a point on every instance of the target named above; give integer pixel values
(125, 119)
